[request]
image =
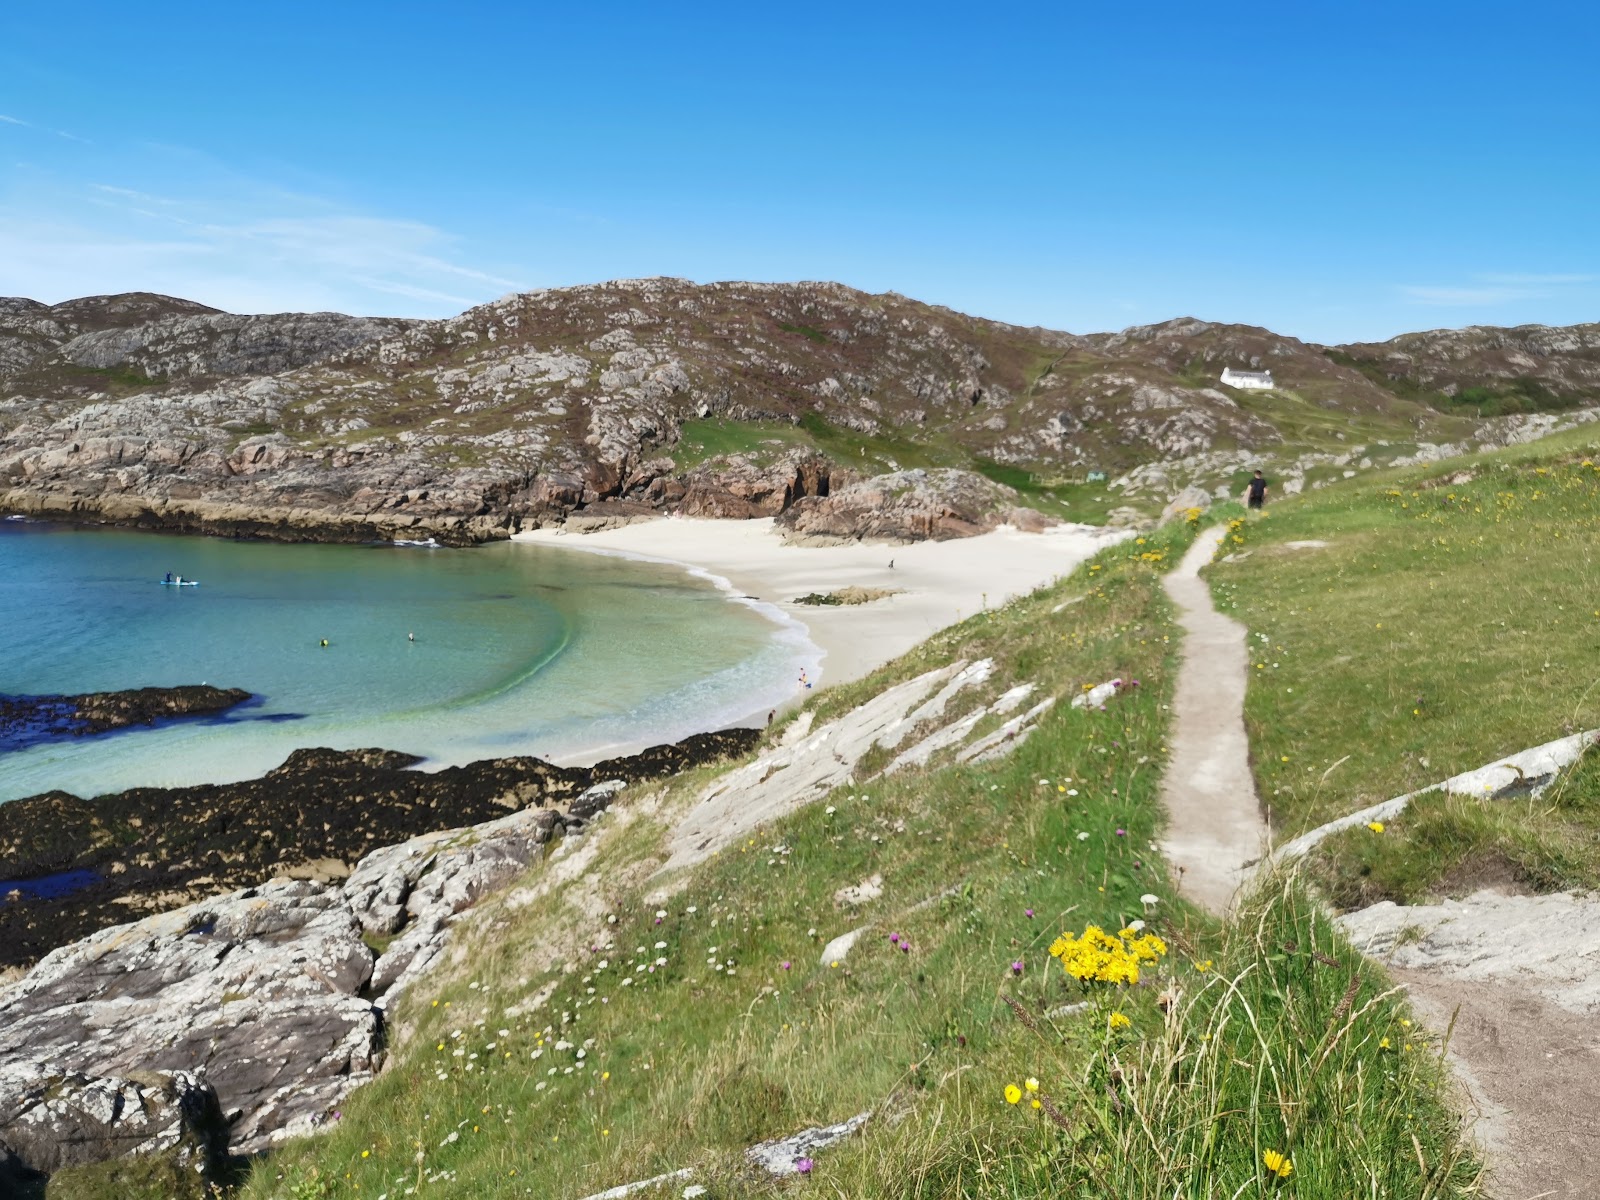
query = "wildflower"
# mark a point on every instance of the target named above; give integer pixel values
(1016, 968)
(785, 964)
(1028, 912)
(1031, 1084)
(1118, 1021)
(1375, 826)
(1013, 1093)
(1278, 1164)
(1383, 1043)
(1083, 837)
(1148, 899)
(803, 1165)
(1122, 833)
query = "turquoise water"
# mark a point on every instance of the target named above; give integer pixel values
(519, 649)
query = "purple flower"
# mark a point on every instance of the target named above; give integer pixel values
(1122, 833)
(785, 964)
(906, 946)
(1028, 912)
(894, 938)
(803, 1165)
(1016, 968)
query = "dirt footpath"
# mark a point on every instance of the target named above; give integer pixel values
(1214, 827)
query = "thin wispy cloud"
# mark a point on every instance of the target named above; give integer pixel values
(1463, 297)
(12, 120)
(1495, 288)
(1540, 280)
(186, 224)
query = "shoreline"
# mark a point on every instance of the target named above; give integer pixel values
(936, 583)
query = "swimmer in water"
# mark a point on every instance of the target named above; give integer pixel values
(411, 637)
(324, 641)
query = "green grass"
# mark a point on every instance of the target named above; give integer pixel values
(733, 1029)
(1450, 620)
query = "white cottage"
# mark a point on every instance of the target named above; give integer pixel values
(1260, 381)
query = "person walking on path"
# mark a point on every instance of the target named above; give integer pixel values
(1256, 492)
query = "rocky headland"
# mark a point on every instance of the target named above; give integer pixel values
(29, 720)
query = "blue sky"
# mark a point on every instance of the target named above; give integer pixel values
(1330, 171)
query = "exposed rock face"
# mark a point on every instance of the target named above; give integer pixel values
(150, 849)
(53, 1120)
(910, 506)
(268, 1001)
(27, 720)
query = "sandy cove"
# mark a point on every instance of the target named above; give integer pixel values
(939, 582)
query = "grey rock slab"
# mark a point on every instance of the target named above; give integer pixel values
(1547, 945)
(1526, 773)
(56, 1120)
(255, 991)
(778, 1157)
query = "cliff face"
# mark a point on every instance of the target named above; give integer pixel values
(728, 399)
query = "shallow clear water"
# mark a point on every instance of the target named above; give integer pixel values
(519, 650)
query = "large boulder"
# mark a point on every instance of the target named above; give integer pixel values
(910, 506)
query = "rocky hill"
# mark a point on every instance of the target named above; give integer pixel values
(730, 399)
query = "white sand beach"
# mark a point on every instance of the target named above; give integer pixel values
(939, 582)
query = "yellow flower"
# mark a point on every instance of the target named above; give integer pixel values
(366, 1154)
(1383, 1043)
(1036, 1104)
(1278, 1164)
(1013, 1093)
(1375, 826)
(1118, 1021)
(1031, 1084)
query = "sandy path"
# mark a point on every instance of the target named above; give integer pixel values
(1517, 976)
(1214, 827)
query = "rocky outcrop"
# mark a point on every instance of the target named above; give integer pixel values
(909, 506)
(264, 1006)
(741, 487)
(75, 865)
(53, 1119)
(29, 720)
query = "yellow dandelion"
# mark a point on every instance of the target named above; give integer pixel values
(1013, 1093)
(1278, 1164)
(1118, 1021)
(1375, 826)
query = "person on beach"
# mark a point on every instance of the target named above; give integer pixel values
(1256, 492)
(804, 682)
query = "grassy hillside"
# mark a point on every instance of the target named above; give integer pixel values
(588, 1035)
(1450, 618)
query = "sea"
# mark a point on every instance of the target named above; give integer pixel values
(449, 654)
